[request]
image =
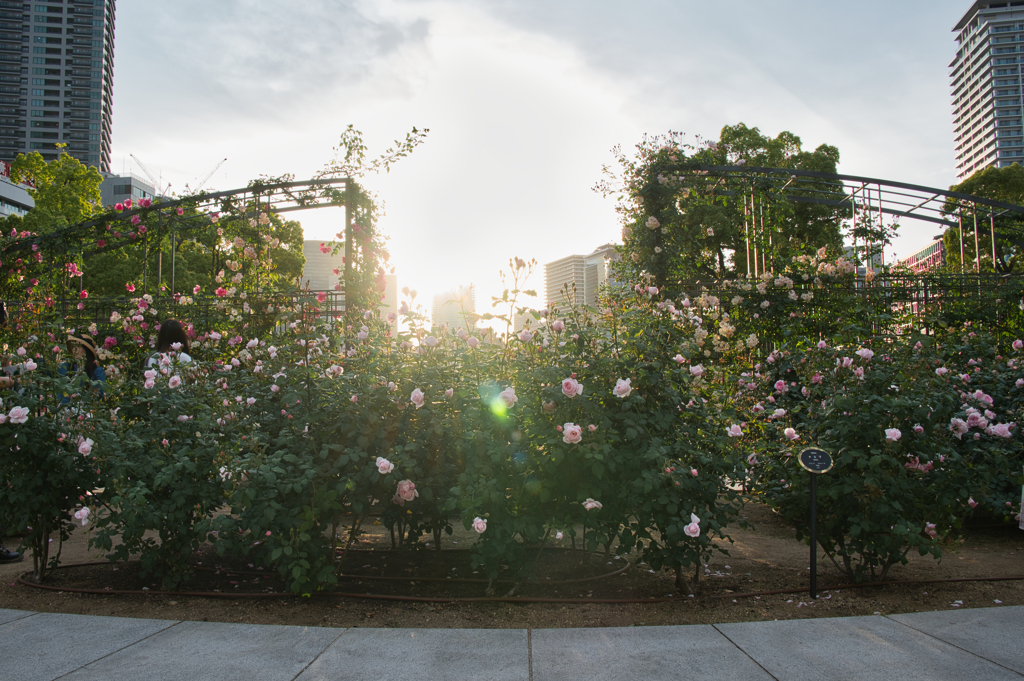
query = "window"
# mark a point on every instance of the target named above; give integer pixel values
(44, 135)
(44, 124)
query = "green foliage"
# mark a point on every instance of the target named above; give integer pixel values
(1000, 184)
(65, 191)
(682, 222)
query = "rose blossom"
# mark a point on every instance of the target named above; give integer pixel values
(384, 466)
(86, 447)
(918, 428)
(472, 341)
(622, 387)
(1018, 344)
(780, 385)
(893, 434)
(941, 370)
(417, 398)
(971, 502)
(571, 387)
(790, 434)
(480, 525)
(572, 434)
(865, 354)
(734, 431)
(83, 515)
(693, 529)
(407, 490)
(929, 529)
(558, 326)
(508, 397)
(590, 504)
(449, 392)
(697, 370)
(18, 415)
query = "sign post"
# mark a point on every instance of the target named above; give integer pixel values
(815, 461)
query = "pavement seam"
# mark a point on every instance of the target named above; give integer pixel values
(303, 670)
(715, 627)
(114, 652)
(529, 652)
(27, 614)
(949, 643)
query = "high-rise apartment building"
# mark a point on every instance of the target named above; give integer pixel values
(56, 78)
(985, 78)
(578, 278)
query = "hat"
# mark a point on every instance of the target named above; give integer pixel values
(84, 342)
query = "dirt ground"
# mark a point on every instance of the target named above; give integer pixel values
(766, 558)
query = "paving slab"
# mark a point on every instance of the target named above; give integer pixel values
(860, 648)
(11, 615)
(435, 654)
(44, 646)
(992, 633)
(214, 650)
(617, 653)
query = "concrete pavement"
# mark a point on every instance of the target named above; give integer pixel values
(979, 645)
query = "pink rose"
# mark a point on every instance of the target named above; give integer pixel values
(354, 399)
(571, 387)
(590, 504)
(18, 415)
(652, 290)
(971, 502)
(480, 525)
(734, 431)
(822, 345)
(558, 326)
(790, 434)
(893, 434)
(1002, 430)
(941, 370)
(449, 392)
(174, 382)
(508, 397)
(816, 379)
(1018, 344)
(572, 434)
(86, 447)
(693, 529)
(83, 515)
(622, 387)
(918, 428)
(407, 490)
(384, 466)
(929, 529)
(697, 370)
(780, 385)
(678, 359)
(693, 472)
(417, 398)
(525, 336)
(865, 354)
(473, 341)
(592, 428)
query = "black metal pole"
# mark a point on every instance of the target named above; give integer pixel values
(814, 536)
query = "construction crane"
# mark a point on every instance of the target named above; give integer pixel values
(156, 184)
(206, 178)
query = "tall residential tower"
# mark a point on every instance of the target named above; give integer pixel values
(985, 78)
(56, 78)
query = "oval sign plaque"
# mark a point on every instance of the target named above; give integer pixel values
(816, 460)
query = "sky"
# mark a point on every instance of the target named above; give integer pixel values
(524, 101)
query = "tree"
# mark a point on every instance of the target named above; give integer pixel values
(999, 184)
(683, 221)
(65, 191)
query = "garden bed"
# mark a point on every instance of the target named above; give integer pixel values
(767, 558)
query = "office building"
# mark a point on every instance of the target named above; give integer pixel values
(578, 278)
(56, 79)
(985, 79)
(117, 188)
(930, 258)
(14, 198)
(452, 307)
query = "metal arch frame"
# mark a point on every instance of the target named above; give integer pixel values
(880, 197)
(278, 197)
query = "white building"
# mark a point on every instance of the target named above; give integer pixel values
(985, 79)
(450, 308)
(929, 258)
(578, 278)
(14, 198)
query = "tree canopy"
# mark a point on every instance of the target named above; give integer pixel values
(681, 221)
(999, 184)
